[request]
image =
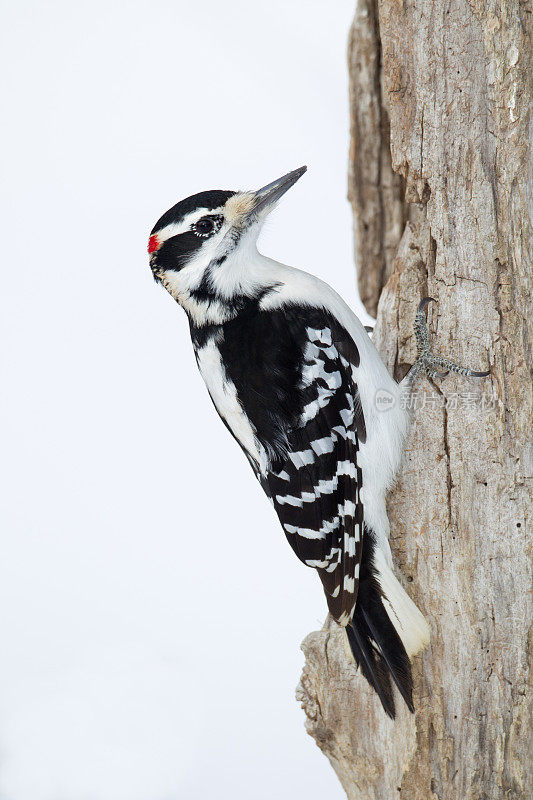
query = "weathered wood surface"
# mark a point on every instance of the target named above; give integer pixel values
(454, 78)
(375, 191)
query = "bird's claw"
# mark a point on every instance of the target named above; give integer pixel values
(423, 303)
(426, 361)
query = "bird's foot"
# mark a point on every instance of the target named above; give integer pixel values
(432, 365)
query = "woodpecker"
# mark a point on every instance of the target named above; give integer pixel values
(294, 376)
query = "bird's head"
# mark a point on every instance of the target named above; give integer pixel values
(202, 244)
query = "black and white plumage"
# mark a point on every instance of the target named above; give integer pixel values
(293, 375)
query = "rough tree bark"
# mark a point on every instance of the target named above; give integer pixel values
(451, 193)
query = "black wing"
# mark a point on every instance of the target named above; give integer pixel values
(316, 489)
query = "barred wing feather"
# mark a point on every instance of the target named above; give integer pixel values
(316, 493)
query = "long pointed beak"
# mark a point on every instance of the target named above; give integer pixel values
(264, 198)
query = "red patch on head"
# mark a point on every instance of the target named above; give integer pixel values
(153, 244)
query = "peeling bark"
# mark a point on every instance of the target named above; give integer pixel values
(455, 80)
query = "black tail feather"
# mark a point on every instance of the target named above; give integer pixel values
(375, 644)
(372, 666)
(394, 655)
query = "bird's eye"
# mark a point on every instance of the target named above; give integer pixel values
(206, 226)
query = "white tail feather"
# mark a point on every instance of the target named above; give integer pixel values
(408, 620)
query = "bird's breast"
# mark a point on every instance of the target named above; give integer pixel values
(224, 396)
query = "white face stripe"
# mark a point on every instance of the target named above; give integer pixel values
(175, 228)
(234, 207)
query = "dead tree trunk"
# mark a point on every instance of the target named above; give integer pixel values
(450, 191)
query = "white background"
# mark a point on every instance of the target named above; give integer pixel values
(151, 609)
